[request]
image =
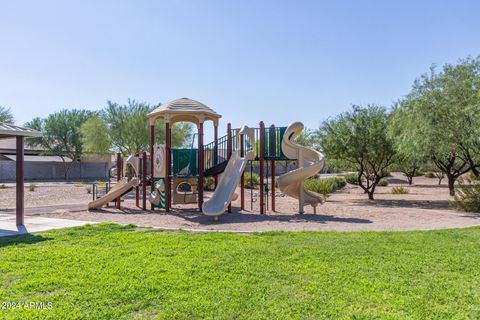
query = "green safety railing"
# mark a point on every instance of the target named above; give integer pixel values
(217, 153)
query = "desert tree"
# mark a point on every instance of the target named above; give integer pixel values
(358, 140)
(61, 135)
(440, 119)
(126, 128)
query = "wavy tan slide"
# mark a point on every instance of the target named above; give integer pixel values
(229, 179)
(310, 163)
(122, 187)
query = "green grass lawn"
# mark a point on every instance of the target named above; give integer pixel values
(108, 271)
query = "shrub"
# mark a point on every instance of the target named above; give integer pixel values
(324, 186)
(340, 181)
(351, 178)
(89, 190)
(251, 180)
(3, 186)
(467, 197)
(473, 176)
(399, 190)
(429, 174)
(209, 184)
(101, 183)
(32, 187)
(383, 182)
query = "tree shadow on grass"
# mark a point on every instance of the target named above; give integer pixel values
(16, 239)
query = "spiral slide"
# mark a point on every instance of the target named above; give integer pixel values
(225, 191)
(310, 162)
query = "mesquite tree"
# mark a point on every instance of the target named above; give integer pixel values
(359, 140)
(125, 128)
(61, 135)
(440, 119)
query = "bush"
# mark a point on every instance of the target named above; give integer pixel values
(324, 186)
(251, 180)
(351, 178)
(3, 186)
(32, 187)
(89, 190)
(101, 183)
(467, 197)
(473, 176)
(429, 174)
(340, 181)
(399, 190)
(383, 182)
(209, 184)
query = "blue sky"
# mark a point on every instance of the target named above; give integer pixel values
(276, 61)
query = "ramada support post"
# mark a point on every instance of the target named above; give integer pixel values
(20, 182)
(229, 153)
(152, 144)
(215, 151)
(119, 172)
(144, 181)
(201, 166)
(168, 164)
(242, 178)
(262, 167)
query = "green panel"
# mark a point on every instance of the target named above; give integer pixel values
(184, 162)
(163, 194)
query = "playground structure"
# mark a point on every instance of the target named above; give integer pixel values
(176, 176)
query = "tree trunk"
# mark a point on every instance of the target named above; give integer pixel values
(410, 179)
(451, 184)
(370, 195)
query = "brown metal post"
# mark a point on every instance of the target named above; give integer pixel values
(262, 167)
(168, 163)
(273, 153)
(137, 188)
(20, 183)
(201, 166)
(119, 173)
(144, 181)
(152, 144)
(273, 184)
(229, 153)
(242, 178)
(215, 151)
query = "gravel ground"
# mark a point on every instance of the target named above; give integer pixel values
(46, 194)
(425, 207)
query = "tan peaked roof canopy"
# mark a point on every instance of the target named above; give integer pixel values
(184, 109)
(8, 130)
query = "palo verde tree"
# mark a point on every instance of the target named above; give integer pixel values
(358, 140)
(440, 119)
(6, 115)
(126, 129)
(61, 135)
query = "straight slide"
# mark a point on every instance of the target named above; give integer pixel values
(229, 179)
(121, 188)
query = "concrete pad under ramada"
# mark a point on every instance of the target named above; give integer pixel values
(34, 224)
